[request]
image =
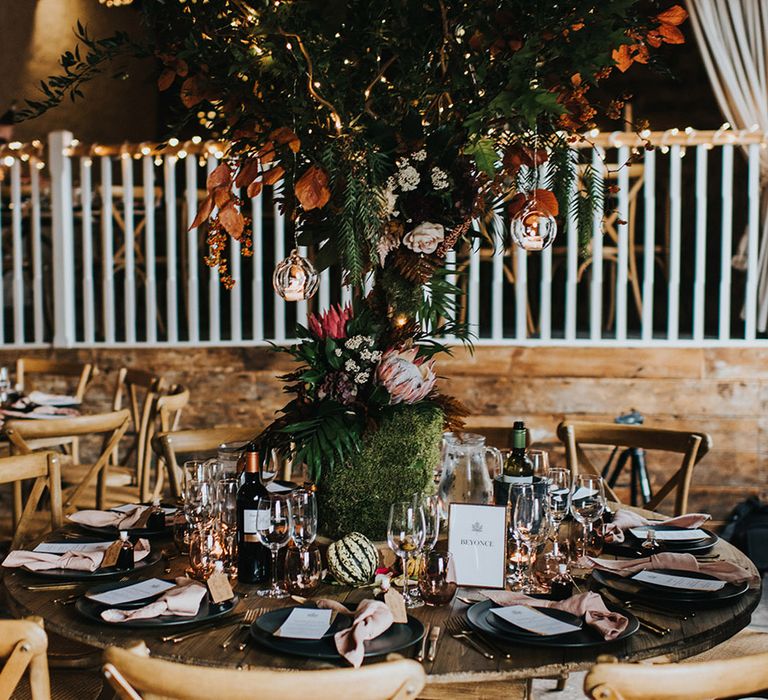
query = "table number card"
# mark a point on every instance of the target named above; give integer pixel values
(477, 541)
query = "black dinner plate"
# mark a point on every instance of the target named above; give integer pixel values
(504, 626)
(477, 616)
(670, 597)
(269, 622)
(91, 610)
(708, 540)
(100, 574)
(396, 638)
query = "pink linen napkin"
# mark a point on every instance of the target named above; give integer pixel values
(182, 600)
(724, 570)
(122, 520)
(589, 605)
(372, 618)
(75, 560)
(625, 519)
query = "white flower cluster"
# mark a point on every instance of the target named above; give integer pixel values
(351, 366)
(362, 377)
(356, 341)
(419, 155)
(370, 355)
(408, 178)
(439, 179)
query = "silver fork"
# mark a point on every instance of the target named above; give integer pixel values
(456, 629)
(249, 617)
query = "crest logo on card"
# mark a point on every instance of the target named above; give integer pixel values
(477, 526)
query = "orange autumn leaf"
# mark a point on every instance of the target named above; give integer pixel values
(249, 171)
(254, 189)
(221, 195)
(191, 91)
(221, 176)
(283, 135)
(266, 153)
(640, 53)
(232, 220)
(204, 212)
(312, 188)
(165, 79)
(674, 15)
(545, 201)
(671, 34)
(654, 38)
(576, 79)
(273, 175)
(622, 58)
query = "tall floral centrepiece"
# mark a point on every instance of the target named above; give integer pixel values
(393, 133)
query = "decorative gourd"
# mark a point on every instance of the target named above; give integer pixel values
(353, 559)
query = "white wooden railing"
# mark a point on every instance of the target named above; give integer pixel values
(96, 251)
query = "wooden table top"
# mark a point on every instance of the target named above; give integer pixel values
(455, 662)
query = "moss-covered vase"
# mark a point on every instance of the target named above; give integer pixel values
(397, 460)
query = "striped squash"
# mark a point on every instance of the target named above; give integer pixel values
(353, 559)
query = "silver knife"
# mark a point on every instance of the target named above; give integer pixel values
(434, 635)
(423, 648)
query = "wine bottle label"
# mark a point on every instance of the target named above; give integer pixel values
(255, 520)
(516, 479)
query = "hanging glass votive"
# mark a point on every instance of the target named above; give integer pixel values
(532, 228)
(295, 278)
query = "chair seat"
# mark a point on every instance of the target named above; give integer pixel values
(66, 685)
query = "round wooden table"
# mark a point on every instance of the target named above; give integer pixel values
(457, 671)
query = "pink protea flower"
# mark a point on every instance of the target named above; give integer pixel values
(406, 378)
(331, 324)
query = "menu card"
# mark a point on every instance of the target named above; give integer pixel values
(534, 620)
(127, 594)
(672, 581)
(681, 535)
(64, 547)
(305, 623)
(477, 541)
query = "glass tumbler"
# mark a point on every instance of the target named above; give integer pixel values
(303, 570)
(434, 586)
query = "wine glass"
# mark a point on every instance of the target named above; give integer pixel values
(274, 528)
(540, 460)
(405, 535)
(198, 502)
(226, 511)
(431, 507)
(588, 502)
(559, 502)
(304, 505)
(528, 523)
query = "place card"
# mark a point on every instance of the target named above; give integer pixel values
(477, 541)
(219, 587)
(533, 620)
(127, 594)
(681, 535)
(672, 581)
(396, 604)
(128, 507)
(305, 623)
(111, 555)
(64, 547)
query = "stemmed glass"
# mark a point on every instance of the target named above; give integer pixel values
(540, 460)
(304, 505)
(431, 507)
(274, 528)
(528, 523)
(558, 502)
(405, 535)
(588, 502)
(226, 510)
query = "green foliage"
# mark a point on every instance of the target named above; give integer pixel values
(395, 461)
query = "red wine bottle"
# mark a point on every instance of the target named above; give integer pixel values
(253, 558)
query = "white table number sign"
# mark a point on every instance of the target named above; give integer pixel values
(477, 541)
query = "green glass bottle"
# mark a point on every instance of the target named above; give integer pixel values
(518, 468)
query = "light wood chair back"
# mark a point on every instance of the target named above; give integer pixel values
(691, 445)
(23, 645)
(140, 391)
(168, 416)
(169, 445)
(133, 674)
(26, 366)
(45, 469)
(687, 681)
(111, 426)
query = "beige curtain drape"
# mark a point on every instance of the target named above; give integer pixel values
(733, 39)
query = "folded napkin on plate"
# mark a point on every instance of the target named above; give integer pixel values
(724, 570)
(75, 560)
(625, 519)
(590, 606)
(183, 600)
(122, 520)
(372, 618)
(43, 399)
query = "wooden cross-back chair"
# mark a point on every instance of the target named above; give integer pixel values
(169, 408)
(26, 366)
(111, 426)
(691, 445)
(23, 646)
(45, 469)
(169, 445)
(610, 680)
(133, 674)
(139, 390)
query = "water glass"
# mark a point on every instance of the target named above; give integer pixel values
(303, 570)
(528, 518)
(198, 502)
(431, 507)
(193, 470)
(228, 455)
(274, 528)
(540, 460)
(588, 504)
(205, 549)
(558, 502)
(406, 533)
(304, 505)
(226, 516)
(434, 586)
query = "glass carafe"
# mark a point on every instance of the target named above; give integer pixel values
(468, 467)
